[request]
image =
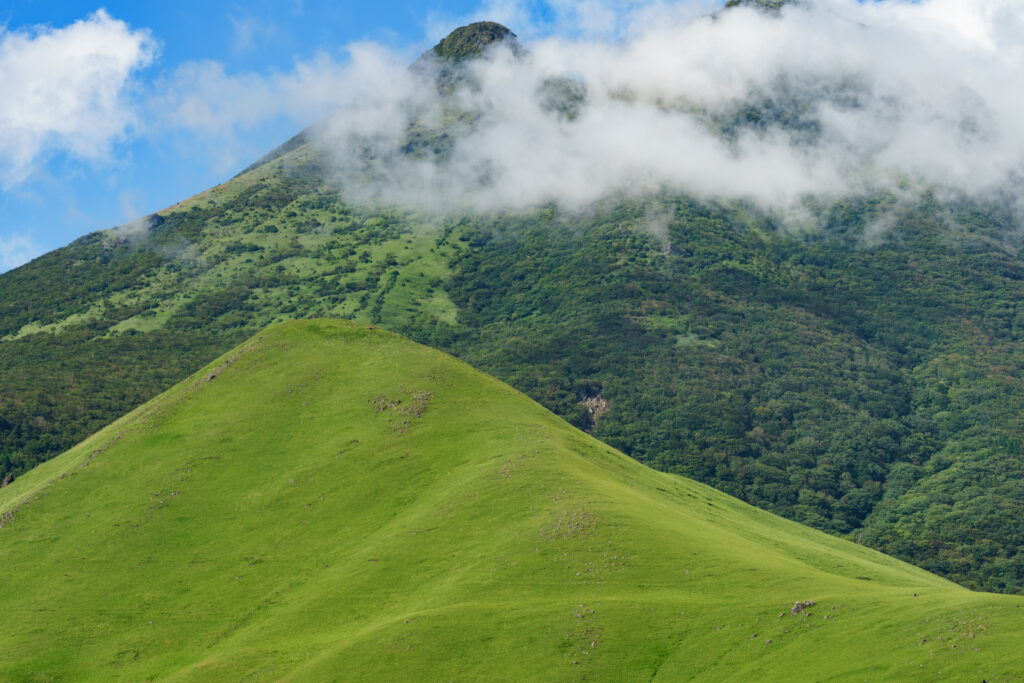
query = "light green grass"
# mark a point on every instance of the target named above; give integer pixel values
(274, 523)
(206, 265)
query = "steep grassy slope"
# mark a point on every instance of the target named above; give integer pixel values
(331, 501)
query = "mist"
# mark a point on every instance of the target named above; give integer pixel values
(826, 98)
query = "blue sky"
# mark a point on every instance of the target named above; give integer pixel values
(65, 182)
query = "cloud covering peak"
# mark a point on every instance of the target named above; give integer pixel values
(825, 97)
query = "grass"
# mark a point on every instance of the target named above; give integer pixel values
(304, 259)
(330, 501)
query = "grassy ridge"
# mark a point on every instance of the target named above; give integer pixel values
(329, 501)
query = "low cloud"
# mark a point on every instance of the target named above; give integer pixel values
(134, 230)
(829, 97)
(65, 90)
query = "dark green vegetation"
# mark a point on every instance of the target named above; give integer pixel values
(873, 391)
(469, 41)
(770, 5)
(329, 501)
(865, 385)
(863, 376)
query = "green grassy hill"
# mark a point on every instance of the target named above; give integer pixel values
(329, 501)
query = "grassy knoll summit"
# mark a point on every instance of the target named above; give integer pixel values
(333, 501)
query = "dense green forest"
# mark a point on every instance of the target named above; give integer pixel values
(865, 383)
(872, 391)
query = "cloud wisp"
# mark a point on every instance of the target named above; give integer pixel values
(16, 250)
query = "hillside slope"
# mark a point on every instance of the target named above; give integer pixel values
(859, 389)
(328, 500)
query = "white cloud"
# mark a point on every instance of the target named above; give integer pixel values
(207, 100)
(16, 250)
(892, 93)
(65, 89)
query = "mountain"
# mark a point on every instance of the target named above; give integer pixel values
(468, 42)
(860, 376)
(328, 500)
(769, 5)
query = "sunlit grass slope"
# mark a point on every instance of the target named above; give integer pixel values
(330, 501)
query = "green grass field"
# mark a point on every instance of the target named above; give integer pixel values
(330, 501)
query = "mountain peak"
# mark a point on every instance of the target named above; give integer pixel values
(445, 61)
(469, 41)
(769, 5)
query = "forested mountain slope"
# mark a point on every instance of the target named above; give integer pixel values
(327, 500)
(862, 375)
